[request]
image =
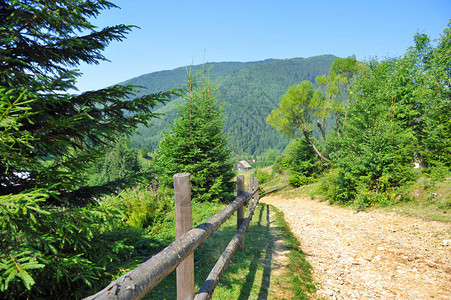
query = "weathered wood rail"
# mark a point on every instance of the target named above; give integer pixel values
(275, 187)
(141, 280)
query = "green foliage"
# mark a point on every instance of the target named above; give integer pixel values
(438, 173)
(60, 133)
(433, 80)
(119, 162)
(375, 149)
(399, 112)
(270, 156)
(142, 207)
(262, 176)
(144, 152)
(55, 251)
(334, 88)
(197, 145)
(267, 158)
(59, 253)
(300, 160)
(299, 180)
(52, 243)
(295, 112)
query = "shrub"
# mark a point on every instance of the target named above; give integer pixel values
(262, 176)
(143, 206)
(300, 179)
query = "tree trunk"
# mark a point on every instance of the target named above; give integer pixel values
(321, 127)
(337, 120)
(314, 147)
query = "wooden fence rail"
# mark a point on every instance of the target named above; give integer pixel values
(141, 280)
(275, 187)
(207, 289)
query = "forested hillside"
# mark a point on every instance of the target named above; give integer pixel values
(249, 92)
(169, 79)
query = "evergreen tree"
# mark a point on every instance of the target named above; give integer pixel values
(51, 247)
(119, 163)
(40, 42)
(433, 81)
(197, 144)
(375, 150)
(300, 161)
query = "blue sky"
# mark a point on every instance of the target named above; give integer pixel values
(177, 33)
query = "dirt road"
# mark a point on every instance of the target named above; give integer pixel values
(370, 255)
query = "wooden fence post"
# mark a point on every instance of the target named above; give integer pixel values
(183, 224)
(240, 211)
(256, 195)
(251, 188)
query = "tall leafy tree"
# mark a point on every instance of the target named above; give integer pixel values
(49, 245)
(295, 112)
(334, 88)
(197, 144)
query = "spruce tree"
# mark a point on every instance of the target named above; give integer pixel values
(52, 244)
(197, 144)
(41, 44)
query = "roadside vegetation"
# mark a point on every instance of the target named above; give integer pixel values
(389, 136)
(420, 199)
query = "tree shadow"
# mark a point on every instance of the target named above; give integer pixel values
(259, 245)
(256, 261)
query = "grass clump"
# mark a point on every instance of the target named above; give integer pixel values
(297, 280)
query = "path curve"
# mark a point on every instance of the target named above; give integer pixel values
(370, 255)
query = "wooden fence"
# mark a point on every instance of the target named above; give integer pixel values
(179, 254)
(267, 189)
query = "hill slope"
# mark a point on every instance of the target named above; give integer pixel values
(249, 92)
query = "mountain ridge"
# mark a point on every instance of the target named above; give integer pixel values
(249, 91)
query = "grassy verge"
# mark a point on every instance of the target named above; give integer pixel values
(248, 276)
(269, 177)
(425, 198)
(296, 281)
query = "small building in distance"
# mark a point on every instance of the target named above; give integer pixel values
(243, 165)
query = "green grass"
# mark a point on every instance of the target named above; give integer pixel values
(275, 178)
(426, 199)
(296, 282)
(244, 276)
(248, 276)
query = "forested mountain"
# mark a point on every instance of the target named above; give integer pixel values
(169, 79)
(249, 92)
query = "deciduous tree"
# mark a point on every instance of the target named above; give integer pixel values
(296, 109)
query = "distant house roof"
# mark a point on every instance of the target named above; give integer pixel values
(245, 164)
